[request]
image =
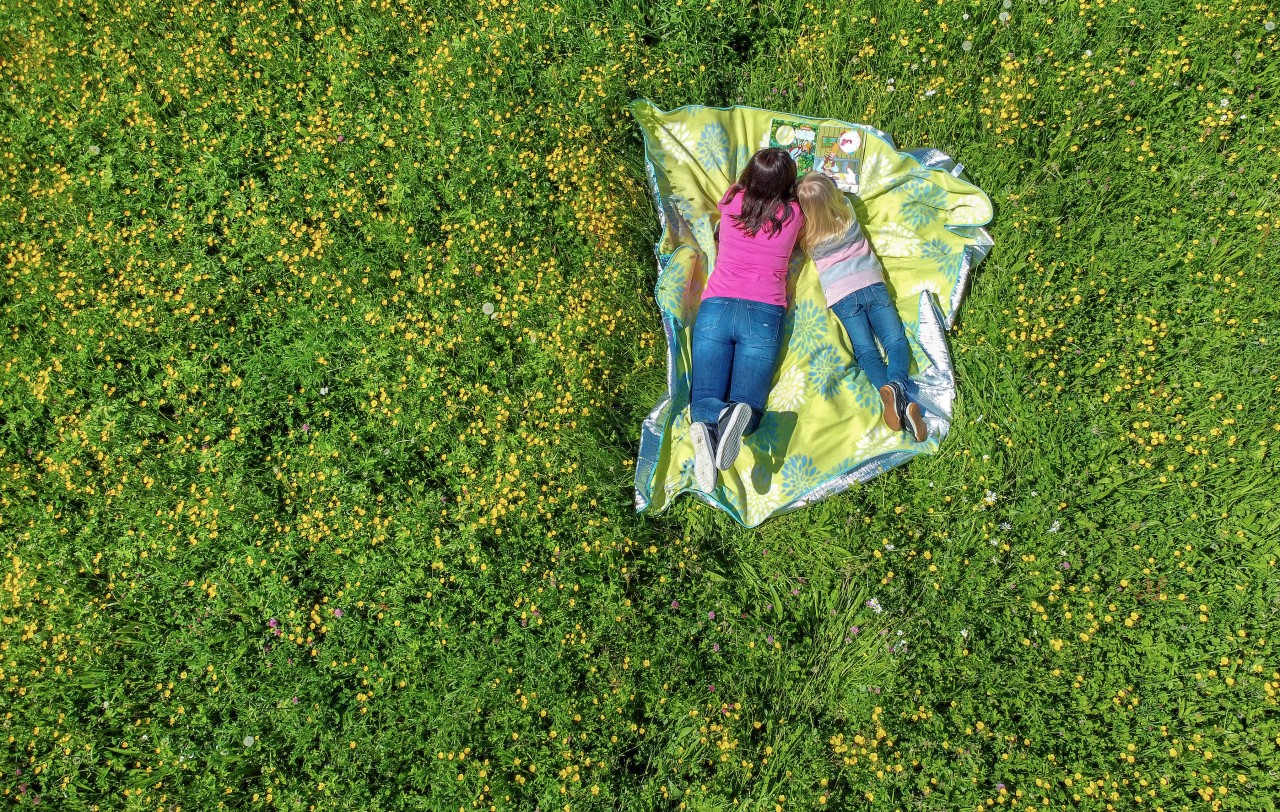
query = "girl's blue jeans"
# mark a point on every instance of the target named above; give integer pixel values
(735, 350)
(868, 314)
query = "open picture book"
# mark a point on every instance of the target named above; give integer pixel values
(835, 150)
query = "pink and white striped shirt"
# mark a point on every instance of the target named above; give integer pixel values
(846, 264)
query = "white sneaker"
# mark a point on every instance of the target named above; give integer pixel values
(704, 456)
(730, 429)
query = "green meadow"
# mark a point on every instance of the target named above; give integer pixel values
(328, 330)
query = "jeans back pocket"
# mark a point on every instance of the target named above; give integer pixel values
(766, 321)
(880, 294)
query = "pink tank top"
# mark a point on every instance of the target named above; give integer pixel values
(752, 268)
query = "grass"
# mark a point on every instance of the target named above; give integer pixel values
(328, 329)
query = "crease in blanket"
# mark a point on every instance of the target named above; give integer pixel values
(933, 233)
(980, 241)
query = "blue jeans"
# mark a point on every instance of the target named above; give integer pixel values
(735, 350)
(868, 314)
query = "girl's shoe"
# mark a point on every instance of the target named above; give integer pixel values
(915, 422)
(732, 423)
(901, 413)
(704, 456)
(894, 399)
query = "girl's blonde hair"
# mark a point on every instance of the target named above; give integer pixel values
(827, 213)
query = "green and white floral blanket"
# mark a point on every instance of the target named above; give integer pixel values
(822, 429)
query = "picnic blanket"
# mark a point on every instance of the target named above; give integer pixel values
(822, 429)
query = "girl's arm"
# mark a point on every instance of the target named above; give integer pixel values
(798, 255)
(724, 200)
(856, 238)
(855, 234)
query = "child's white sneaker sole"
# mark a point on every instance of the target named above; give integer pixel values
(731, 436)
(704, 458)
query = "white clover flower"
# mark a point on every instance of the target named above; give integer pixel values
(967, 45)
(1055, 527)
(248, 741)
(487, 308)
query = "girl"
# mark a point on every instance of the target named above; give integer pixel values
(852, 281)
(738, 329)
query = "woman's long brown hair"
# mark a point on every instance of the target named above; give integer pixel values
(767, 184)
